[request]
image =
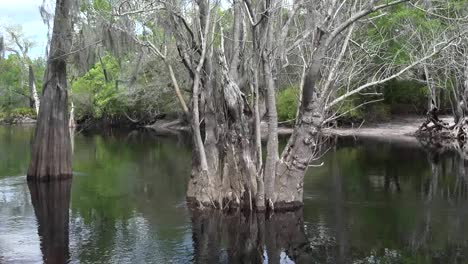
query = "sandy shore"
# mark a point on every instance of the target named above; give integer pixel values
(402, 128)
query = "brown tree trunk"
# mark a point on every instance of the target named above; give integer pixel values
(51, 150)
(51, 203)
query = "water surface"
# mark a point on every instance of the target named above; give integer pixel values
(372, 201)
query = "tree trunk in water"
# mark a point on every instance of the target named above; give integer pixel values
(51, 203)
(260, 199)
(272, 141)
(302, 146)
(34, 101)
(51, 150)
(230, 180)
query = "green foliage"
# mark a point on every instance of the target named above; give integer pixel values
(406, 96)
(399, 97)
(94, 95)
(17, 113)
(286, 103)
(393, 30)
(14, 89)
(102, 5)
(23, 112)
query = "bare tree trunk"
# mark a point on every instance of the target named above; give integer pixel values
(177, 90)
(260, 199)
(71, 122)
(33, 97)
(432, 100)
(272, 141)
(51, 150)
(235, 60)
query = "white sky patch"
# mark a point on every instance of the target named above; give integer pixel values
(26, 13)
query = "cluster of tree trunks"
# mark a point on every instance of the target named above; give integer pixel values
(228, 171)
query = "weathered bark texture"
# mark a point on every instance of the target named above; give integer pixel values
(51, 150)
(230, 179)
(272, 140)
(51, 203)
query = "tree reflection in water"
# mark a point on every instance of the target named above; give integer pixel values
(250, 238)
(51, 202)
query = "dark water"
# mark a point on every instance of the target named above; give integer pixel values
(371, 202)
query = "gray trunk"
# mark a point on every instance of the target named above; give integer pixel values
(230, 180)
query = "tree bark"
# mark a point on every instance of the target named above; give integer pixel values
(230, 180)
(177, 90)
(272, 141)
(51, 150)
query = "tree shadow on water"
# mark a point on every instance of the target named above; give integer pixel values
(51, 202)
(250, 238)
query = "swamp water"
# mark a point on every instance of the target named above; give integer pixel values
(372, 201)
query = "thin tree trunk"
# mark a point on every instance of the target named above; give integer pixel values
(272, 141)
(260, 199)
(177, 90)
(235, 60)
(51, 150)
(34, 101)
(432, 100)
(71, 122)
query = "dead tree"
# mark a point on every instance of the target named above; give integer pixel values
(51, 150)
(228, 170)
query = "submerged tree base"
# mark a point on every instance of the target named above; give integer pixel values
(49, 178)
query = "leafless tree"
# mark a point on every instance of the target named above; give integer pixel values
(248, 57)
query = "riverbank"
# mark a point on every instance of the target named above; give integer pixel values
(402, 127)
